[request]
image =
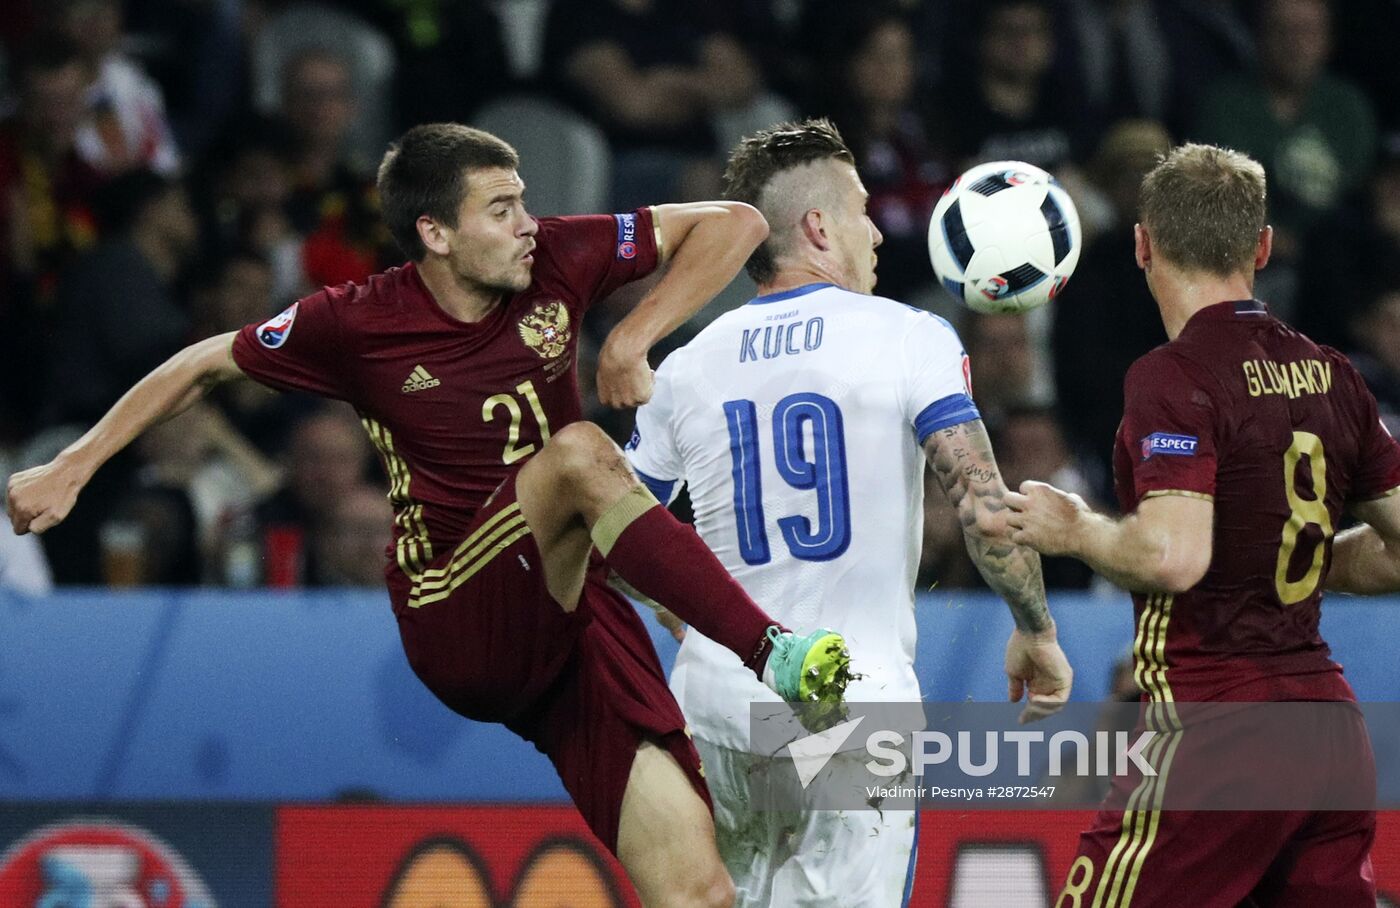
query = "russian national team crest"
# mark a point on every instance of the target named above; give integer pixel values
(546, 329)
(274, 332)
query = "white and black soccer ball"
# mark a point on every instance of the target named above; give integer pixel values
(1005, 237)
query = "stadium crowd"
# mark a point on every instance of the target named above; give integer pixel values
(171, 170)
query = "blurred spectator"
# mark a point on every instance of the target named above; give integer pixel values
(1314, 132)
(1360, 241)
(1106, 317)
(45, 219)
(195, 50)
(1031, 445)
(283, 31)
(197, 471)
(654, 74)
(327, 457)
(1365, 52)
(238, 292)
(943, 560)
(1375, 332)
(771, 31)
(126, 125)
(452, 57)
(351, 545)
(118, 312)
(1004, 369)
(1207, 40)
(23, 567)
(332, 201)
(871, 83)
(1125, 61)
(1006, 105)
(243, 202)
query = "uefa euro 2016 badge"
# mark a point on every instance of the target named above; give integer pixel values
(273, 333)
(546, 329)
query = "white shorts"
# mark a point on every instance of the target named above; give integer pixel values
(803, 859)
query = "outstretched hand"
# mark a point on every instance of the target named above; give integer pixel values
(1036, 668)
(40, 498)
(1043, 517)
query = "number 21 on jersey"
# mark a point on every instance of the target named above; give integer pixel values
(822, 470)
(514, 450)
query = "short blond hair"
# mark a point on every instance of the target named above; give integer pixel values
(1204, 207)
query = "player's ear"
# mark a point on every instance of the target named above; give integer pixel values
(1266, 247)
(432, 235)
(814, 229)
(1142, 246)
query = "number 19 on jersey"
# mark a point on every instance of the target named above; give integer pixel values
(821, 470)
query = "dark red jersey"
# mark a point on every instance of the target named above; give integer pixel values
(452, 407)
(1282, 433)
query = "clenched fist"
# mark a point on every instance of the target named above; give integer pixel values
(624, 377)
(41, 497)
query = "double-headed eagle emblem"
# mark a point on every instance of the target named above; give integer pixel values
(546, 329)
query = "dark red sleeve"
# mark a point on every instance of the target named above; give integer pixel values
(1378, 455)
(596, 254)
(1170, 425)
(298, 350)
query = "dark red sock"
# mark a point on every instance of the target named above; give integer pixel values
(667, 561)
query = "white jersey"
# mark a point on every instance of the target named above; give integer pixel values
(797, 422)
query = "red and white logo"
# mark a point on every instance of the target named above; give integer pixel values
(967, 373)
(995, 287)
(98, 863)
(274, 332)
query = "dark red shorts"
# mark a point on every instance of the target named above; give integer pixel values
(1135, 856)
(482, 632)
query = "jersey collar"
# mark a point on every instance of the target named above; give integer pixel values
(790, 294)
(1248, 310)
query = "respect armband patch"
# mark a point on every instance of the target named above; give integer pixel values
(626, 235)
(1167, 443)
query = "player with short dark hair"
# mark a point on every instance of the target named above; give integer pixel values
(462, 365)
(1242, 445)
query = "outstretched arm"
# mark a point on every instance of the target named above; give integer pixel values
(1366, 558)
(41, 498)
(966, 468)
(708, 243)
(1162, 547)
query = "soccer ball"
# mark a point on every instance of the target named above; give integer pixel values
(1004, 238)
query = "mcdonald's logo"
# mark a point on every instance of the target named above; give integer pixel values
(441, 856)
(561, 872)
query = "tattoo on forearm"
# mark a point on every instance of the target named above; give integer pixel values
(963, 462)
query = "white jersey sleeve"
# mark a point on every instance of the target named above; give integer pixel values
(938, 383)
(652, 448)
